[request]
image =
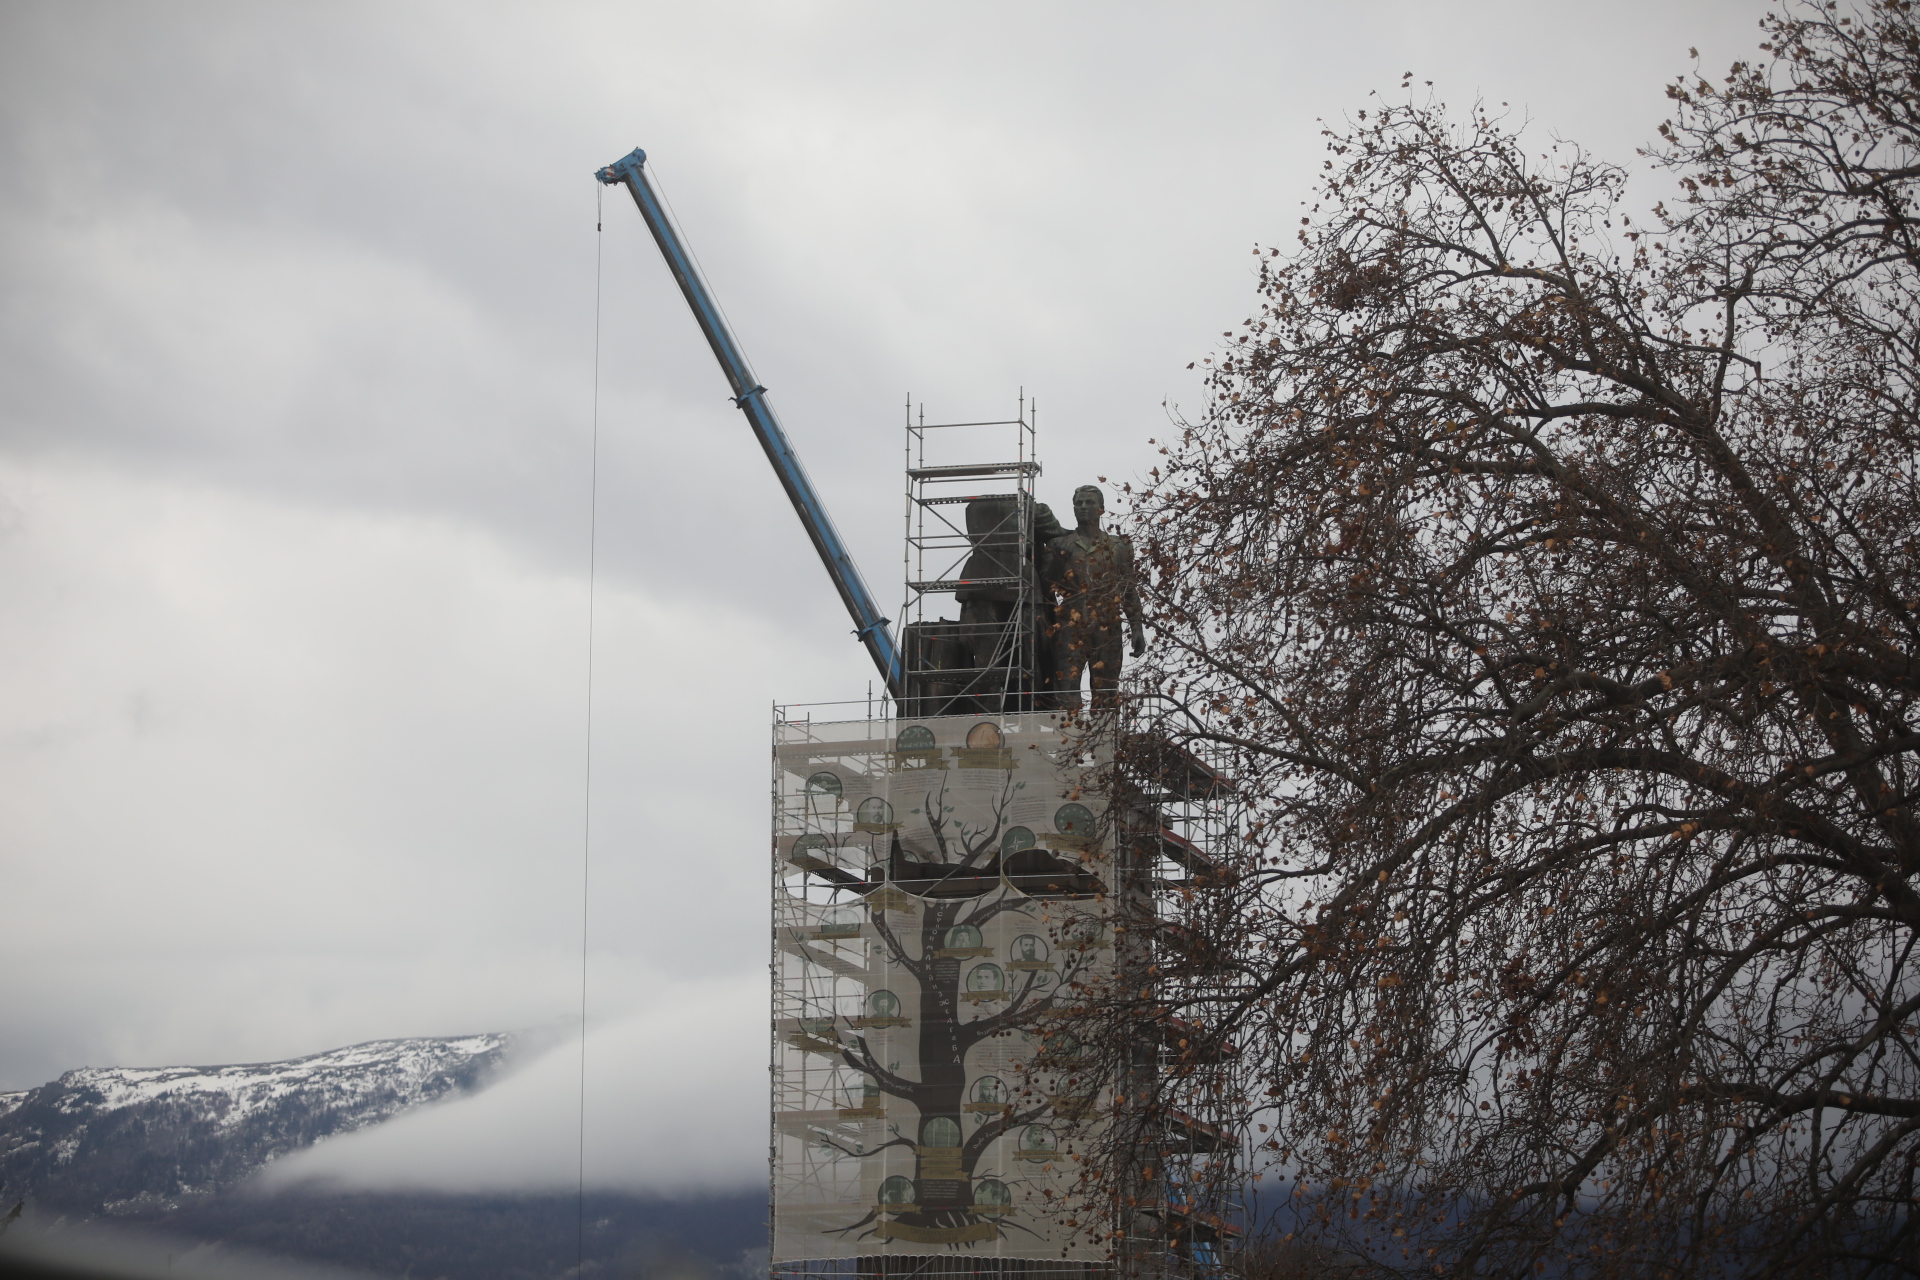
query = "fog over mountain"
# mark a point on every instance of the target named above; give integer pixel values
(483, 1113)
(669, 1131)
(125, 1141)
(447, 1156)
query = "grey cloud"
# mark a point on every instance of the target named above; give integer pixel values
(296, 384)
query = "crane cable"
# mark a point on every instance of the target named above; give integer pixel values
(586, 818)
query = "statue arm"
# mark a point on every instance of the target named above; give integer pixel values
(1130, 597)
(1045, 527)
(1046, 531)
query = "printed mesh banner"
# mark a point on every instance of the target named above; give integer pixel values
(940, 888)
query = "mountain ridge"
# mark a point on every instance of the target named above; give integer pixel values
(174, 1150)
(132, 1140)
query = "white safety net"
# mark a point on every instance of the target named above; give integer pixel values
(940, 890)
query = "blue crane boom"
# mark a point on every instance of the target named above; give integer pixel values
(868, 623)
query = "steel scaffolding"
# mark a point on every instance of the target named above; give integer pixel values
(974, 536)
(1170, 825)
(970, 535)
(1179, 818)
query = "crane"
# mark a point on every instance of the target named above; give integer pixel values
(751, 397)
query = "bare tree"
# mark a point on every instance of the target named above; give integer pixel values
(1546, 581)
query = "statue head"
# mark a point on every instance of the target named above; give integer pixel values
(1088, 503)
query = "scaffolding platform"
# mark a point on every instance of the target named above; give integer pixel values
(974, 618)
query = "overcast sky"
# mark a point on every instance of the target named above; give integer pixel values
(296, 395)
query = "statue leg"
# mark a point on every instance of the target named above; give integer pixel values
(1070, 660)
(1046, 669)
(1103, 657)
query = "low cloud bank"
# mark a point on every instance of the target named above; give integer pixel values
(676, 1105)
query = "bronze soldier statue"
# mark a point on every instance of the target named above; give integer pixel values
(1092, 578)
(986, 611)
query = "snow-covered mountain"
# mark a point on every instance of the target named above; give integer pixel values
(165, 1149)
(132, 1140)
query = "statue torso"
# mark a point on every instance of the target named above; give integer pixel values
(1093, 569)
